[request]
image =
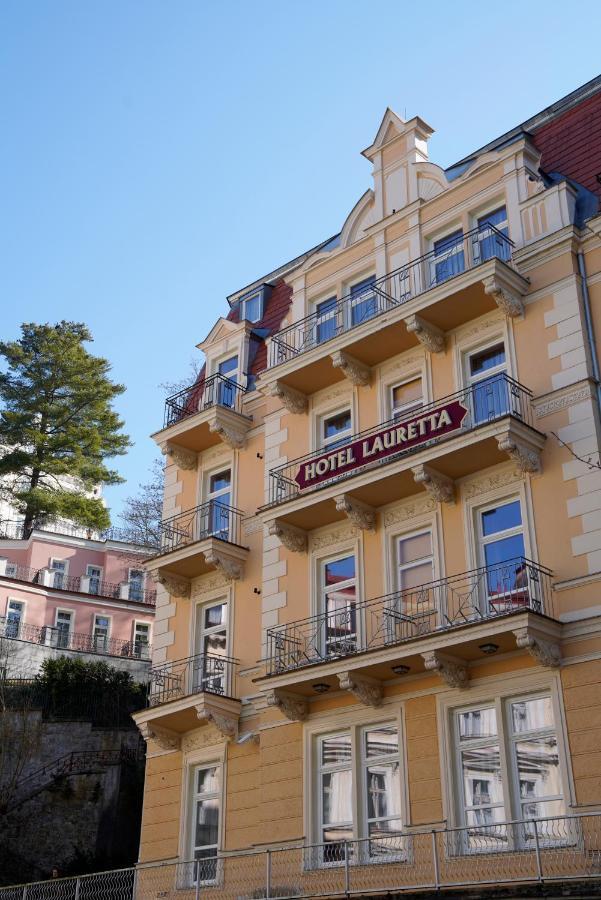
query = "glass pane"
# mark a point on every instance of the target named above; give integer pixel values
(478, 723)
(487, 359)
(337, 791)
(538, 767)
(326, 306)
(252, 308)
(58, 565)
(385, 837)
(207, 822)
(326, 322)
(336, 749)
(497, 217)
(417, 546)
(215, 615)
(102, 622)
(381, 740)
(406, 394)
(220, 482)
(529, 715)
(364, 302)
(487, 816)
(490, 399)
(501, 518)
(482, 776)
(337, 425)
(207, 780)
(506, 577)
(416, 576)
(215, 643)
(339, 570)
(383, 791)
(228, 366)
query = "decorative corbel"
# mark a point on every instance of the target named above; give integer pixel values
(177, 587)
(291, 537)
(226, 725)
(507, 300)
(233, 569)
(294, 401)
(431, 337)
(356, 372)
(293, 707)
(167, 740)
(452, 671)
(230, 436)
(367, 690)
(183, 459)
(526, 458)
(546, 653)
(360, 514)
(440, 487)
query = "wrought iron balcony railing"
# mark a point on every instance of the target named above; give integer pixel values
(488, 400)
(61, 639)
(349, 627)
(131, 591)
(212, 519)
(209, 673)
(459, 254)
(214, 391)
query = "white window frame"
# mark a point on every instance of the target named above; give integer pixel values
(204, 758)
(64, 572)
(321, 592)
(413, 406)
(323, 445)
(199, 631)
(147, 625)
(476, 214)
(349, 306)
(109, 630)
(248, 298)
(433, 239)
(11, 569)
(23, 603)
(143, 582)
(54, 633)
(100, 576)
(324, 317)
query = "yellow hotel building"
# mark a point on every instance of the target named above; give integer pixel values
(377, 650)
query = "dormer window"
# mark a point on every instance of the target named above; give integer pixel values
(252, 305)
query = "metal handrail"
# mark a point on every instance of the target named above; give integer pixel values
(73, 583)
(217, 390)
(57, 639)
(436, 607)
(210, 673)
(486, 401)
(469, 250)
(211, 519)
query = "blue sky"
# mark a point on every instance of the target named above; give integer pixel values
(157, 156)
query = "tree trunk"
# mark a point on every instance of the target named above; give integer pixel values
(29, 522)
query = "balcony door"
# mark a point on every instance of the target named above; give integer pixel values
(448, 258)
(136, 585)
(14, 618)
(100, 634)
(209, 669)
(226, 389)
(504, 583)
(489, 396)
(337, 630)
(59, 568)
(414, 609)
(364, 301)
(94, 573)
(63, 628)
(216, 521)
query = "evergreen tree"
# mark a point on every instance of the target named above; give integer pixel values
(57, 425)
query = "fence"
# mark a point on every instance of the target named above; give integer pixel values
(214, 391)
(212, 519)
(61, 639)
(132, 591)
(559, 849)
(194, 674)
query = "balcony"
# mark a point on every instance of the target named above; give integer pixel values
(416, 303)
(448, 439)
(184, 693)
(130, 591)
(61, 639)
(201, 416)
(197, 541)
(441, 626)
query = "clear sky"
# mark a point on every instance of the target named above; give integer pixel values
(156, 156)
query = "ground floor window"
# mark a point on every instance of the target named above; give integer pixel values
(206, 811)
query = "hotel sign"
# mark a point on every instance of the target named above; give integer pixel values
(392, 440)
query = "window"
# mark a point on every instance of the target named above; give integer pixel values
(489, 387)
(59, 568)
(335, 429)
(135, 589)
(206, 794)
(252, 307)
(449, 258)
(100, 634)
(359, 769)
(209, 670)
(325, 322)
(94, 573)
(338, 596)
(226, 385)
(489, 243)
(63, 623)
(141, 639)
(11, 569)
(364, 302)
(501, 542)
(218, 510)
(15, 611)
(414, 608)
(406, 398)
(508, 764)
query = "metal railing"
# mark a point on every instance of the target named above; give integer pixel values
(210, 673)
(394, 619)
(437, 267)
(563, 849)
(212, 519)
(486, 401)
(15, 531)
(61, 639)
(214, 391)
(131, 591)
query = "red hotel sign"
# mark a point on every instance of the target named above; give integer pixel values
(394, 439)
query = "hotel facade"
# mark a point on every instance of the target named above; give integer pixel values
(377, 646)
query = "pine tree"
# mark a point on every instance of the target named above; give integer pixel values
(56, 421)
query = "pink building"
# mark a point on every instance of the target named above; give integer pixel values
(68, 593)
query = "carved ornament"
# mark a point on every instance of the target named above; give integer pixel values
(546, 653)
(360, 514)
(165, 739)
(293, 707)
(232, 569)
(440, 487)
(183, 459)
(526, 458)
(367, 691)
(429, 336)
(231, 436)
(452, 671)
(292, 538)
(509, 302)
(354, 371)
(294, 401)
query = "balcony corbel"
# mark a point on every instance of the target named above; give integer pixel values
(360, 514)
(429, 336)
(175, 586)
(166, 739)
(183, 459)
(291, 537)
(229, 434)
(220, 712)
(451, 670)
(546, 653)
(230, 566)
(526, 457)
(355, 371)
(367, 690)
(440, 487)
(506, 295)
(292, 400)
(292, 706)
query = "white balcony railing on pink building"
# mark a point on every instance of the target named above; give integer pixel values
(132, 591)
(61, 639)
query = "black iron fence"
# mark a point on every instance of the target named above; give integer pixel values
(212, 519)
(214, 391)
(349, 627)
(208, 672)
(484, 402)
(458, 254)
(62, 639)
